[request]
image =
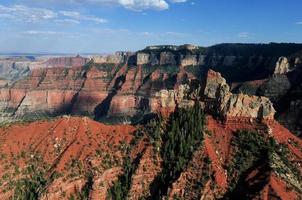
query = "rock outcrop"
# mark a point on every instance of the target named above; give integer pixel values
(221, 101)
(142, 58)
(166, 101)
(184, 55)
(282, 66)
(118, 58)
(187, 60)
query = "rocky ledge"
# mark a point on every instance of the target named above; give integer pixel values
(226, 104)
(217, 99)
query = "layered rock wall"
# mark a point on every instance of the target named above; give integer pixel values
(117, 58)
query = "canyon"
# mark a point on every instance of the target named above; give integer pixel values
(165, 122)
(128, 86)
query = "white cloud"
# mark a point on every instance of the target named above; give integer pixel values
(79, 16)
(243, 35)
(33, 15)
(67, 21)
(34, 32)
(142, 4)
(177, 34)
(137, 5)
(299, 23)
(24, 13)
(178, 1)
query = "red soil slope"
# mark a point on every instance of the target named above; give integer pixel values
(62, 140)
(101, 148)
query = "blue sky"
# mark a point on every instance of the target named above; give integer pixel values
(104, 26)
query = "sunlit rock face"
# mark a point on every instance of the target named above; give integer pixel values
(282, 66)
(220, 100)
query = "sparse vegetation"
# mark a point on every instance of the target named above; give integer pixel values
(251, 148)
(32, 180)
(120, 188)
(84, 193)
(183, 135)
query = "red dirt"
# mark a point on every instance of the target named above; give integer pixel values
(218, 146)
(284, 136)
(61, 140)
(40, 135)
(80, 138)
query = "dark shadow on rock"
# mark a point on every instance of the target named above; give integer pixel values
(248, 188)
(102, 109)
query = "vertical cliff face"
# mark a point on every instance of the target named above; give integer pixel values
(15, 68)
(143, 58)
(102, 90)
(117, 58)
(123, 91)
